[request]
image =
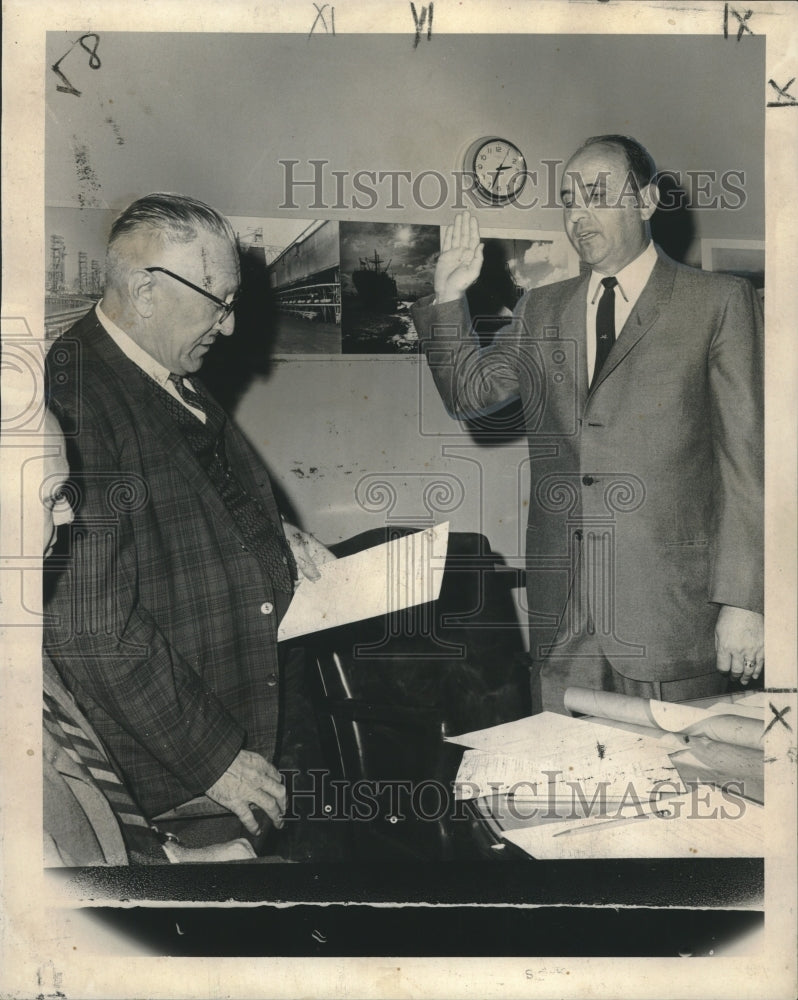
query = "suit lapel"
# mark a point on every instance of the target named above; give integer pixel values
(647, 309)
(574, 323)
(124, 377)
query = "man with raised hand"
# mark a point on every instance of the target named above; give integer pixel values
(641, 384)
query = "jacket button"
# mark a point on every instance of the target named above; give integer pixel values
(271, 680)
(266, 608)
(588, 480)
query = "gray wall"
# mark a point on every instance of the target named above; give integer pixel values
(212, 115)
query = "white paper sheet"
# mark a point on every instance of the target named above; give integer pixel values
(736, 727)
(386, 578)
(674, 717)
(751, 699)
(550, 754)
(703, 824)
(526, 737)
(750, 710)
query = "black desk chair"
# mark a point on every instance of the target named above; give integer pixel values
(381, 753)
(387, 691)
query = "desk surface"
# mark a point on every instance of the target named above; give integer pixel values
(709, 763)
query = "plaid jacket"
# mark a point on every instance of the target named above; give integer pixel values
(161, 621)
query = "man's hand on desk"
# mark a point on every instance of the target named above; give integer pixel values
(250, 781)
(460, 259)
(740, 643)
(308, 551)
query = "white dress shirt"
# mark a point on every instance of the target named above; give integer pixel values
(632, 280)
(145, 361)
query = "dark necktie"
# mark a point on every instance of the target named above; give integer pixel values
(187, 394)
(605, 326)
(208, 444)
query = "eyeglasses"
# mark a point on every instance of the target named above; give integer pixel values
(226, 307)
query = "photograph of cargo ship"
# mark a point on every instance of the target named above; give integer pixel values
(385, 268)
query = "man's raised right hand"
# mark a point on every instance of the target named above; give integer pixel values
(250, 781)
(460, 259)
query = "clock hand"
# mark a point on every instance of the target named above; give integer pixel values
(499, 169)
(496, 175)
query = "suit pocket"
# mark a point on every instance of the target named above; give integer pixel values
(664, 375)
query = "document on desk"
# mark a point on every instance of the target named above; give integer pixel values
(705, 823)
(741, 726)
(389, 577)
(551, 755)
(749, 708)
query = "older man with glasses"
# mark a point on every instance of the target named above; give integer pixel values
(164, 620)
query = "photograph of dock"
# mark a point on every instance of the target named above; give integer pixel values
(304, 283)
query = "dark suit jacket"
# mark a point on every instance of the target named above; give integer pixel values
(162, 622)
(645, 510)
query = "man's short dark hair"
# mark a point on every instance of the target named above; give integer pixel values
(175, 216)
(166, 218)
(638, 159)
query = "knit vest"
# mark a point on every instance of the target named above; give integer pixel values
(263, 538)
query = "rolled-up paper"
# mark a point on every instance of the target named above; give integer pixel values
(738, 730)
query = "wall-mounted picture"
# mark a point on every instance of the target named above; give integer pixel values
(75, 267)
(291, 268)
(514, 262)
(385, 268)
(291, 291)
(745, 258)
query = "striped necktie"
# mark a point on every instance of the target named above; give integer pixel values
(187, 393)
(89, 757)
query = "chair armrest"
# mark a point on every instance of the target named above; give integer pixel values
(200, 806)
(402, 716)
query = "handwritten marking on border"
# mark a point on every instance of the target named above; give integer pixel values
(320, 16)
(742, 21)
(421, 21)
(778, 716)
(785, 100)
(65, 87)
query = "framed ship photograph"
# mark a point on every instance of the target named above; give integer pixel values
(385, 268)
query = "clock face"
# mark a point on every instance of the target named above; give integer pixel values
(499, 170)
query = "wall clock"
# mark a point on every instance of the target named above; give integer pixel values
(498, 168)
